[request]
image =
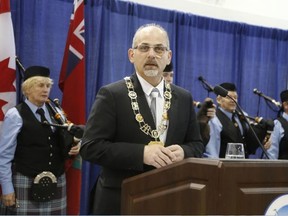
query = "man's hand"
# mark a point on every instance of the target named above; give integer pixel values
(178, 152)
(9, 199)
(207, 111)
(158, 156)
(211, 112)
(75, 149)
(267, 142)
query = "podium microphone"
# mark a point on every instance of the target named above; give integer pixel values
(276, 103)
(208, 87)
(218, 90)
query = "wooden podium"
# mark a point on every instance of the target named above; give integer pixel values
(206, 186)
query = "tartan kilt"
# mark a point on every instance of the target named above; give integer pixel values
(27, 206)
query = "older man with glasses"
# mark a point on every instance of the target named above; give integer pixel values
(139, 123)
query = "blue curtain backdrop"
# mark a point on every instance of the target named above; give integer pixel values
(220, 51)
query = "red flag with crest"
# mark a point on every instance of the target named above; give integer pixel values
(72, 84)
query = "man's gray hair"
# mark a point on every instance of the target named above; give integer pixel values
(150, 25)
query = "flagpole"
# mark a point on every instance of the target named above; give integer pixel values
(20, 68)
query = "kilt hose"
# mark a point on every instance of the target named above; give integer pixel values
(27, 206)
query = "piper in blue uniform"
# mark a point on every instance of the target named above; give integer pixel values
(279, 136)
(31, 151)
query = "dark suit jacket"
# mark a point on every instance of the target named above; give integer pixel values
(113, 140)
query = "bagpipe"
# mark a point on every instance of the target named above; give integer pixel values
(59, 115)
(62, 121)
(253, 120)
(264, 126)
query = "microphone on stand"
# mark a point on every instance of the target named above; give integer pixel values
(206, 85)
(218, 90)
(276, 103)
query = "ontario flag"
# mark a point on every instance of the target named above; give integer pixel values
(7, 61)
(72, 84)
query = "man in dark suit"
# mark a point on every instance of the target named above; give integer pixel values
(121, 134)
(228, 126)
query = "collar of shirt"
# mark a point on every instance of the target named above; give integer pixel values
(34, 108)
(147, 87)
(228, 114)
(285, 116)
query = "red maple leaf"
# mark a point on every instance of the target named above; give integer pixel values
(2, 103)
(7, 77)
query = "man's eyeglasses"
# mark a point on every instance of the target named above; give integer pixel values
(157, 49)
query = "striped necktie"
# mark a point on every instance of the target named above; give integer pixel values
(153, 95)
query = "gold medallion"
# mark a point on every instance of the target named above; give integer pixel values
(156, 143)
(165, 116)
(139, 117)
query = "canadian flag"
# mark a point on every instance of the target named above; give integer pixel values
(7, 61)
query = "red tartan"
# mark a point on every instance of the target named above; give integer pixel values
(74, 176)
